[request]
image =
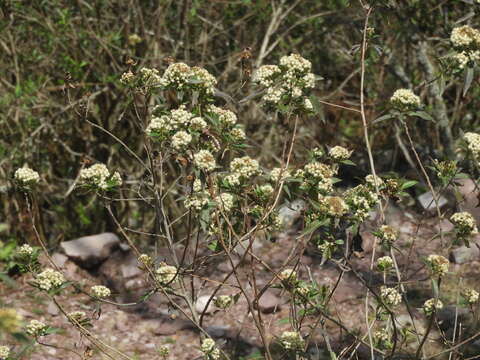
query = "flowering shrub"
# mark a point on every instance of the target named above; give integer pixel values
(213, 196)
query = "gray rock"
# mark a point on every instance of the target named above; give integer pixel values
(52, 309)
(201, 305)
(463, 254)
(269, 302)
(290, 212)
(428, 204)
(89, 251)
(470, 197)
(59, 259)
(218, 330)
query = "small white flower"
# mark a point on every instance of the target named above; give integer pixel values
(49, 279)
(100, 291)
(36, 328)
(27, 176)
(100, 176)
(471, 296)
(438, 264)
(473, 143)
(405, 99)
(210, 349)
(25, 251)
(339, 153)
(390, 296)
(432, 305)
(292, 340)
(4, 352)
(384, 263)
(181, 139)
(245, 166)
(465, 36)
(166, 273)
(464, 222)
(204, 160)
(226, 201)
(223, 301)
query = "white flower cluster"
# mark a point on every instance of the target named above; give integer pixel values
(245, 167)
(26, 176)
(382, 336)
(292, 340)
(163, 350)
(223, 301)
(387, 234)
(432, 305)
(225, 117)
(145, 259)
(49, 279)
(288, 80)
(127, 78)
(181, 139)
(150, 77)
(317, 174)
(288, 276)
(226, 201)
(465, 223)
(384, 263)
(465, 37)
(339, 153)
(333, 206)
(471, 295)
(370, 181)
(438, 264)
(4, 352)
(390, 296)
(462, 59)
(209, 349)
(238, 134)
(36, 328)
(100, 291)
(278, 174)
(180, 76)
(405, 99)
(361, 199)
(166, 273)
(25, 251)
(473, 143)
(77, 315)
(99, 175)
(197, 200)
(204, 160)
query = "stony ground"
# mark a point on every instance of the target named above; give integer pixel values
(139, 330)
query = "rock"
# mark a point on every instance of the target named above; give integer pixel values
(463, 254)
(428, 203)
(89, 251)
(470, 195)
(368, 241)
(217, 330)
(290, 212)
(167, 326)
(269, 302)
(59, 259)
(52, 309)
(444, 226)
(201, 304)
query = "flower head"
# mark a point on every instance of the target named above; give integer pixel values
(384, 263)
(209, 349)
(390, 296)
(405, 99)
(166, 273)
(26, 176)
(205, 160)
(36, 328)
(49, 279)
(292, 340)
(98, 175)
(339, 153)
(465, 37)
(4, 352)
(431, 305)
(438, 264)
(100, 291)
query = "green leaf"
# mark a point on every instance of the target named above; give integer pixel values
(423, 114)
(468, 80)
(383, 118)
(315, 225)
(348, 162)
(408, 184)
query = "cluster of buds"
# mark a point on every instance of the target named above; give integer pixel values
(405, 100)
(446, 170)
(36, 328)
(292, 340)
(339, 153)
(100, 291)
(210, 349)
(471, 296)
(332, 206)
(288, 277)
(390, 296)
(466, 43)
(49, 279)
(26, 177)
(4, 352)
(386, 234)
(317, 176)
(438, 264)
(431, 306)
(473, 144)
(166, 273)
(223, 301)
(286, 83)
(361, 200)
(382, 339)
(384, 263)
(98, 176)
(465, 225)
